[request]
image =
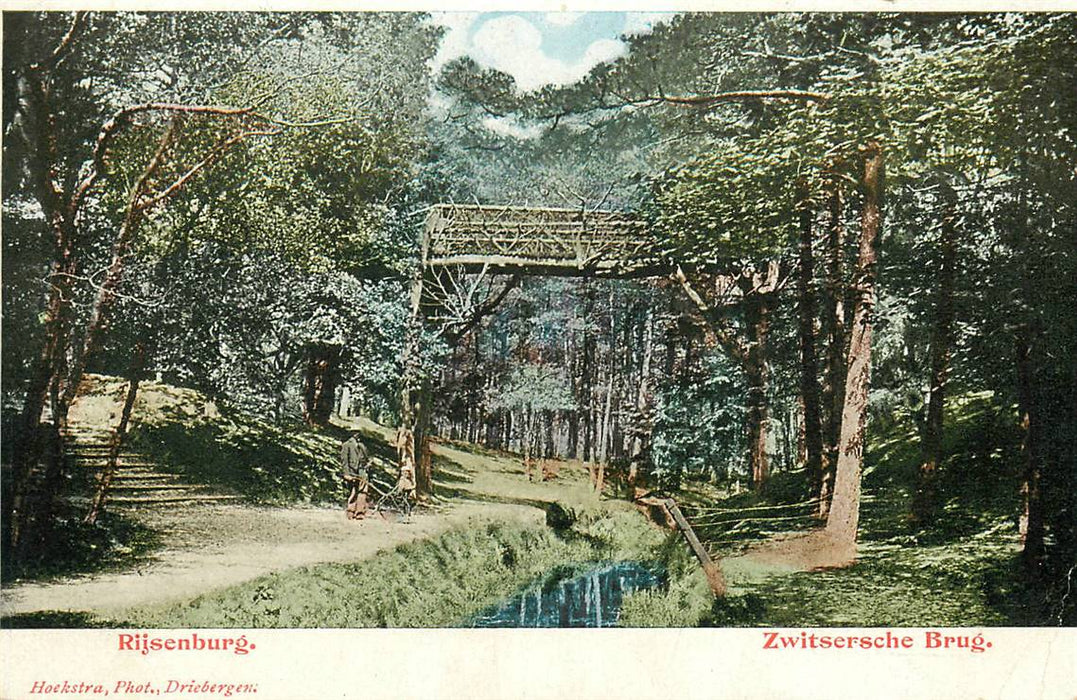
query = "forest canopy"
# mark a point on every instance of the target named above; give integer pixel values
(857, 221)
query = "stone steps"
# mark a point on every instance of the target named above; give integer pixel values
(128, 476)
(103, 461)
(127, 486)
(137, 483)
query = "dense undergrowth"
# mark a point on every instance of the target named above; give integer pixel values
(71, 547)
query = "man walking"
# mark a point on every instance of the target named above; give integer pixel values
(353, 463)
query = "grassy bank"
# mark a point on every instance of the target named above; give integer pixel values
(432, 583)
(687, 600)
(960, 570)
(184, 432)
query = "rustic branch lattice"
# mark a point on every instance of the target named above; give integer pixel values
(542, 241)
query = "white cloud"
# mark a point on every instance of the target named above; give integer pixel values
(510, 127)
(513, 45)
(599, 52)
(643, 22)
(562, 19)
(454, 43)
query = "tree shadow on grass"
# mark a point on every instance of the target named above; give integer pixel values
(262, 463)
(977, 479)
(72, 547)
(54, 619)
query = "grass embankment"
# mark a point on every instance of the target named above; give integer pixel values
(262, 462)
(432, 583)
(959, 571)
(184, 432)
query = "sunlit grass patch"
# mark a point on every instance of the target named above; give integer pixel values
(946, 585)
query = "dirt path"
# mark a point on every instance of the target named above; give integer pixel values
(217, 546)
(207, 547)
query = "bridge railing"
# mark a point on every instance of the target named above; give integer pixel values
(532, 237)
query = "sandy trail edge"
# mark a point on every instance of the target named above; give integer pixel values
(260, 541)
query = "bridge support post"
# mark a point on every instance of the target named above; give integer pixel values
(412, 440)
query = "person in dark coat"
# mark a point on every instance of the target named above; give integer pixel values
(354, 464)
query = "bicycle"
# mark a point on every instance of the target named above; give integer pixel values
(393, 500)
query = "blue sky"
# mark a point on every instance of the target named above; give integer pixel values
(539, 48)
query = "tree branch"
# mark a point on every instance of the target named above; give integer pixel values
(215, 153)
(119, 120)
(482, 310)
(303, 125)
(738, 96)
(58, 54)
(719, 333)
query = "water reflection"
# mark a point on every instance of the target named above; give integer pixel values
(589, 599)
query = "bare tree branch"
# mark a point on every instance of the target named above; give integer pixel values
(303, 125)
(463, 327)
(120, 119)
(717, 331)
(738, 96)
(60, 52)
(214, 154)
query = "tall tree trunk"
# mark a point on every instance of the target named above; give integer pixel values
(413, 439)
(322, 379)
(548, 445)
(836, 347)
(607, 411)
(641, 431)
(796, 440)
(35, 122)
(924, 504)
(424, 474)
(410, 438)
(586, 398)
(809, 380)
(1032, 525)
(757, 314)
(605, 438)
(844, 516)
(104, 481)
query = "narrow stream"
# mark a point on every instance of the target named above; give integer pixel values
(592, 598)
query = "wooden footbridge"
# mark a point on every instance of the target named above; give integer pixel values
(538, 241)
(472, 256)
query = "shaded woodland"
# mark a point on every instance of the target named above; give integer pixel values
(859, 223)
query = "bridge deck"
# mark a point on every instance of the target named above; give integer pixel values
(539, 241)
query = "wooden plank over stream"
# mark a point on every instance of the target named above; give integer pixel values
(710, 567)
